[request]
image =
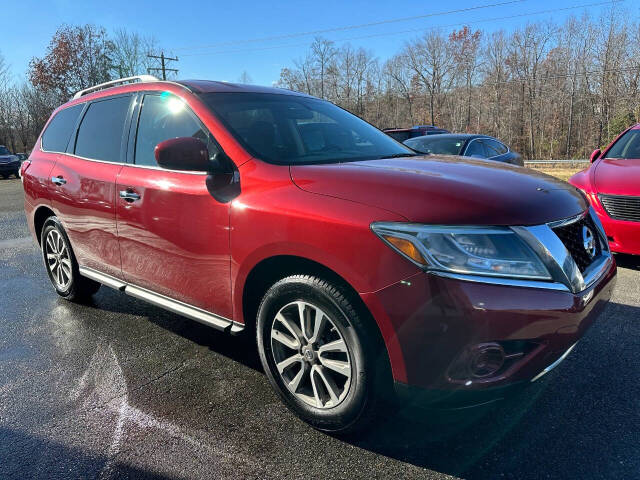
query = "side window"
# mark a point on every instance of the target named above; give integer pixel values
(399, 136)
(164, 117)
(60, 128)
(494, 147)
(100, 133)
(476, 148)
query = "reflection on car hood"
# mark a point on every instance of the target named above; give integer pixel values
(8, 158)
(446, 190)
(618, 176)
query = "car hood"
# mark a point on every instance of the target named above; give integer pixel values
(618, 176)
(446, 190)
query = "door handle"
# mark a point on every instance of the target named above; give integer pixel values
(129, 195)
(59, 180)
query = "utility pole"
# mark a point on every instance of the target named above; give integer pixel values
(163, 67)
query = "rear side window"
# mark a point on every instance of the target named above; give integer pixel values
(494, 147)
(56, 137)
(164, 117)
(100, 133)
(399, 136)
(476, 148)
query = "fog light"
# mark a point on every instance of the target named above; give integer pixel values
(486, 359)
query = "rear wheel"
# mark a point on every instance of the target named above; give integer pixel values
(319, 353)
(61, 264)
(5, 175)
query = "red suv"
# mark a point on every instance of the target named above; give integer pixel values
(358, 264)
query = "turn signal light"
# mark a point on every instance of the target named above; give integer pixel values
(407, 248)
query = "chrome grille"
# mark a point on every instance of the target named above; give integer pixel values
(571, 237)
(621, 207)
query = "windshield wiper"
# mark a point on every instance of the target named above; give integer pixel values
(399, 155)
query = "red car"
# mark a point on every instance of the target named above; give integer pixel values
(359, 265)
(612, 184)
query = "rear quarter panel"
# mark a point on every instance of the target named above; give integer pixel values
(36, 182)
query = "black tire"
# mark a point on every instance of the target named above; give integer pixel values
(5, 176)
(360, 400)
(77, 288)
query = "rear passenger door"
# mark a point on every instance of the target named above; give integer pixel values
(83, 183)
(174, 237)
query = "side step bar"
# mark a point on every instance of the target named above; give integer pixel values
(175, 306)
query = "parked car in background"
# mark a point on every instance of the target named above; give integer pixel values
(360, 265)
(612, 185)
(466, 145)
(9, 163)
(402, 134)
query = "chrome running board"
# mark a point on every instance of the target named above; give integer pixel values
(162, 301)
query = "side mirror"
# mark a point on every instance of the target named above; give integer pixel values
(183, 153)
(223, 181)
(595, 155)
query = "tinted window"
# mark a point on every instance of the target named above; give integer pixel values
(164, 117)
(100, 133)
(292, 129)
(494, 147)
(399, 136)
(4, 151)
(56, 137)
(628, 146)
(436, 145)
(476, 148)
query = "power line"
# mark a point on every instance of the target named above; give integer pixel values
(163, 67)
(350, 27)
(413, 30)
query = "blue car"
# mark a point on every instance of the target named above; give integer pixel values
(9, 163)
(466, 145)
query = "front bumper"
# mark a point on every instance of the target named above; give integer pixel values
(623, 236)
(431, 322)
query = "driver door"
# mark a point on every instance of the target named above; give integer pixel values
(174, 237)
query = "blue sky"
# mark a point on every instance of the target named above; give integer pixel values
(226, 27)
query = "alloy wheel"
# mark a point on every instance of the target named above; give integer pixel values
(58, 260)
(311, 355)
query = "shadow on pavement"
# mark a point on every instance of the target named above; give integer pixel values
(628, 261)
(563, 426)
(33, 457)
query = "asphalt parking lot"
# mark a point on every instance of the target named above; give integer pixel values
(120, 389)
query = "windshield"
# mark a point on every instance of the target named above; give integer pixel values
(436, 145)
(289, 129)
(627, 146)
(4, 151)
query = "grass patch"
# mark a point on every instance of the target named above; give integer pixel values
(563, 172)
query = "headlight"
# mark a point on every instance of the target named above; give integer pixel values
(492, 251)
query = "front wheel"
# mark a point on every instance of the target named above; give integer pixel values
(319, 353)
(61, 264)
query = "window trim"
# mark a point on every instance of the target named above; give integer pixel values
(134, 127)
(497, 141)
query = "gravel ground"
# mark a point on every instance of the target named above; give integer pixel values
(120, 389)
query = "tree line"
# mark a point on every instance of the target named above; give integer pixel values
(549, 90)
(77, 57)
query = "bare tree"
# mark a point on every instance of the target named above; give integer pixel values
(129, 53)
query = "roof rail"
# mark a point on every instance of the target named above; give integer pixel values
(113, 83)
